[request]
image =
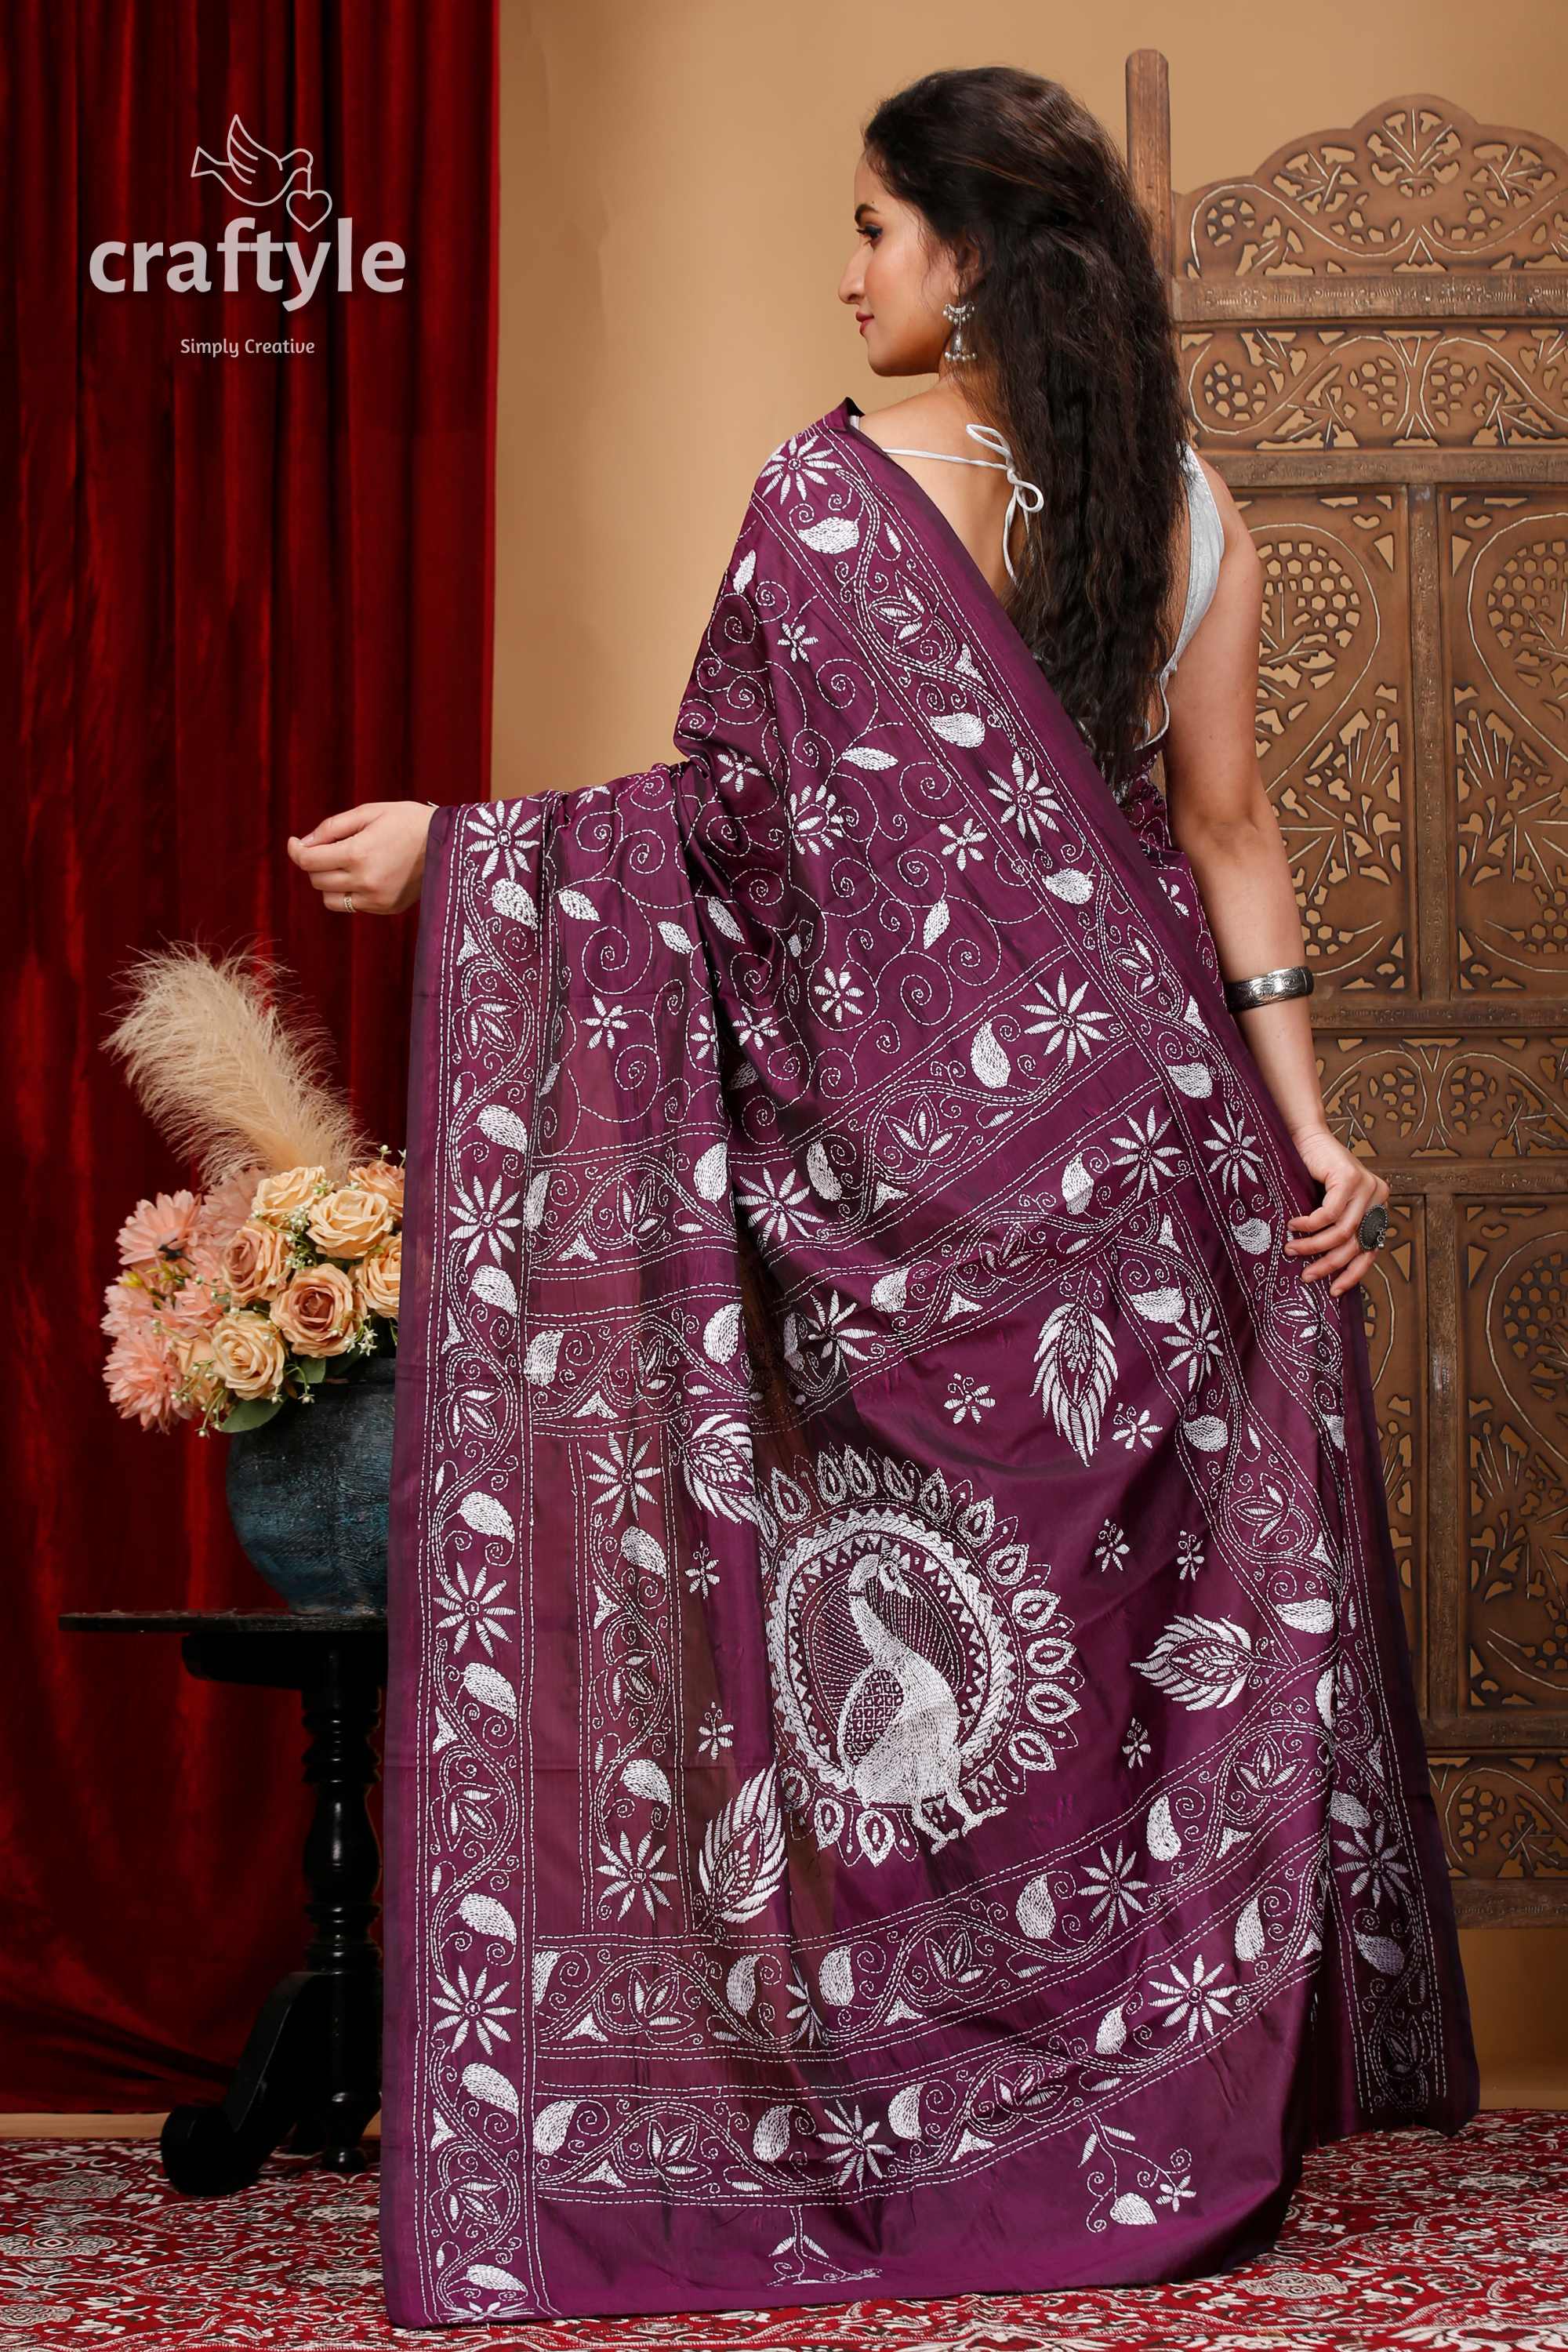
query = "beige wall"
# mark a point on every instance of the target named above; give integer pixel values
(675, 218)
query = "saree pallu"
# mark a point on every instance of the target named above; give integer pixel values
(902, 1770)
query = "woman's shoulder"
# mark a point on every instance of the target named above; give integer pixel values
(917, 411)
(1233, 524)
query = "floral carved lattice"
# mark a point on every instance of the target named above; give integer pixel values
(1365, 386)
(1332, 727)
(1415, 184)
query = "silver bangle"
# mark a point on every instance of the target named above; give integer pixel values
(1269, 987)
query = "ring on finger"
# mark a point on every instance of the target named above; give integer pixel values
(1372, 1231)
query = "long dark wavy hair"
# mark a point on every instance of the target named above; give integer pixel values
(1074, 362)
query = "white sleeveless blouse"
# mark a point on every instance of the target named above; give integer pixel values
(1205, 532)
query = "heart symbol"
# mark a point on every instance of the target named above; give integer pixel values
(309, 206)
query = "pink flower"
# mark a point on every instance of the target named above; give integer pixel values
(157, 1230)
(127, 1306)
(191, 1309)
(140, 1375)
(219, 1216)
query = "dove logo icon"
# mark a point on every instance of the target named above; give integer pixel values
(256, 176)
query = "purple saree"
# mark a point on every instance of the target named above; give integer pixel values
(902, 1770)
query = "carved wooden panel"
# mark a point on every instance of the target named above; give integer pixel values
(1372, 329)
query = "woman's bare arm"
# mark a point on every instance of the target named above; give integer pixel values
(1220, 814)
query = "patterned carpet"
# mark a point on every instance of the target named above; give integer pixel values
(1398, 2239)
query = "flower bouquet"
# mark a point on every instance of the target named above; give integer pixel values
(273, 1287)
(231, 1303)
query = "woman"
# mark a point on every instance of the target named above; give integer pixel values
(902, 1770)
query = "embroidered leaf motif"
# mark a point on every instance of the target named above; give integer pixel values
(486, 1916)
(486, 1516)
(550, 2125)
(491, 1690)
(936, 923)
(644, 1777)
(483, 2081)
(511, 899)
(674, 937)
(1308, 1616)
(904, 2111)
(1034, 1911)
(819, 1168)
(865, 755)
(959, 726)
(494, 1286)
(711, 1173)
(577, 902)
(503, 1126)
(1078, 1185)
(1159, 1305)
(1201, 1660)
(721, 1332)
(835, 1977)
(1385, 1956)
(1160, 1834)
(742, 1856)
(743, 571)
(832, 537)
(1076, 1356)
(988, 1059)
(1071, 884)
(1250, 1932)
(1133, 2208)
(722, 920)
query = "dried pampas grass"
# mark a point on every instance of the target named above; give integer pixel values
(226, 1078)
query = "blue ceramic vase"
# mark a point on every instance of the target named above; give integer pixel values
(308, 1492)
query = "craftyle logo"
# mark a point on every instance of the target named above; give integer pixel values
(259, 177)
(256, 176)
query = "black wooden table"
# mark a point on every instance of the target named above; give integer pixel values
(311, 2072)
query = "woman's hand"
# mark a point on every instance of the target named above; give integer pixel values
(1329, 1231)
(374, 853)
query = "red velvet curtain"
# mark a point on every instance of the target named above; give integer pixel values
(246, 590)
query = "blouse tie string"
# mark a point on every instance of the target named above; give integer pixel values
(1027, 497)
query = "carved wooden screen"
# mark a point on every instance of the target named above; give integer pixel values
(1372, 327)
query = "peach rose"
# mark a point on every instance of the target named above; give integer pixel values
(256, 1262)
(283, 1195)
(318, 1313)
(379, 1278)
(248, 1351)
(382, 1176)
(201, 1380)
(347, 1223)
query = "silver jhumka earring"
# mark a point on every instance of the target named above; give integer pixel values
(956, 348)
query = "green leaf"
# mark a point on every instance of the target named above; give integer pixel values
(309, 1368)
(249, 1413)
